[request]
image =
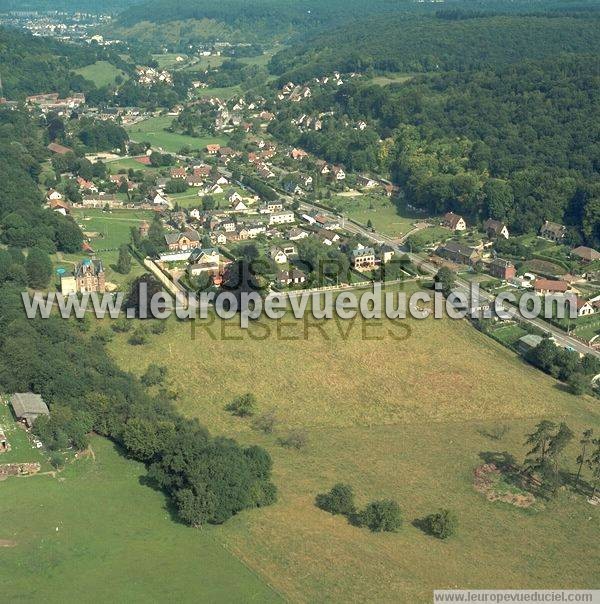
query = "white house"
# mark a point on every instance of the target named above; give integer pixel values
(285, 217)
(53, 195)
(278, 255)
(215, 189)
(239, 206)
(234, 197)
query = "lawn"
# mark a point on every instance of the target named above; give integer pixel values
(402, 418)
(430, 236)
(383, 213)
(102, 73)
(127, 163)
(191, 199)
(509, 334)
(153, 131)
(112, 226)
(97, 533)
(169, 59)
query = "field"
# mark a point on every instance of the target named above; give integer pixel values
(102, 73)
(169, 60)
(222, 93)
(153, 131)
(391, 78)
(126, 163)
(377, 208)
(191, 199)
(97, 533)
(430, 235)
(405, 418)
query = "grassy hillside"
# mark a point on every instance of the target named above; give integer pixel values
(403, 419)
(102, 73)
(96, 532)
(153, 131)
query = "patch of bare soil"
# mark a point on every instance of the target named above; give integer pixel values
(7, 543)
(490, 481)
(18, 469)
(89, 452)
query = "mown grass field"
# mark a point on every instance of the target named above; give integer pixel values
(97, 533)
(402, 418)
(391, 78)
(102, 73)
(153, 131)
(378, 209)
(169, 59)
(126, 163)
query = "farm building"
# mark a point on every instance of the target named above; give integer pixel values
(28, 406)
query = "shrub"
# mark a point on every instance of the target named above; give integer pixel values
(339, 500)
(243, 405)
(139, 336)
(121, 325)
(154, 375)
(265, 422)
(578, 383)
(56, 460)
(381, 516)
(442, 524)
(295, 439)
(158, 327)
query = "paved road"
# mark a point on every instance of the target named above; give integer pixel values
(559, 335)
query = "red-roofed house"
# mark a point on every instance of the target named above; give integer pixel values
(550, 286)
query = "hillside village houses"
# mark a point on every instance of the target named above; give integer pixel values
(293, 276)
(495, 229)
(182, 241)
(204, 260)
(454, 222)
(553, 231)
(284, 217)
(458, 253)
(28, 406)
(502, 269)
(585, 254)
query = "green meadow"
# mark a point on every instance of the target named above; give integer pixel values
(403, 412)
(153, 130)
(96, 532)
(102, 73)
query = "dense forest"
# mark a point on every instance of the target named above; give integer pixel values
(497, 119)
(265, 16)
(428, 44)
(518, 143)
(30, 65)
(209, 479)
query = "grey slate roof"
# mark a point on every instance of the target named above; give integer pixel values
(28, 405)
